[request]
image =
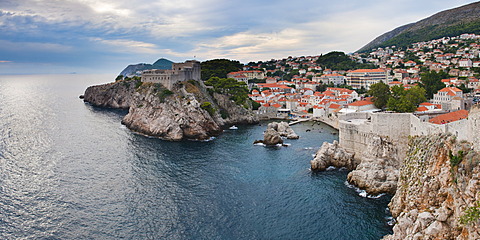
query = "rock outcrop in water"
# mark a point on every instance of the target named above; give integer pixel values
(438, 191)
(376, 174)
(271, 137)
(186, 112)
(283, 129)
(331, 154)
(275, 131)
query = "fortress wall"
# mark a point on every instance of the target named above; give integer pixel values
(355, 130)
(473, 126)
(356, 115)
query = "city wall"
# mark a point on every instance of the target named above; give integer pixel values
(357, 129)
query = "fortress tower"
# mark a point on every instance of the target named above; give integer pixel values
(189, 70)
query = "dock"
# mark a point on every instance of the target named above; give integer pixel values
(299, 121)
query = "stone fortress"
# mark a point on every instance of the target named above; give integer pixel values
(357, 129)
(189, 70)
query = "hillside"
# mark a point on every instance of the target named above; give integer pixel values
(448, 23)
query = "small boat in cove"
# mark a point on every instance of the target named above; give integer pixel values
(233, 127)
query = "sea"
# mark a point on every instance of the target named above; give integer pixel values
(69, 170)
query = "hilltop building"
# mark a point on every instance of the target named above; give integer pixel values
(189, 70)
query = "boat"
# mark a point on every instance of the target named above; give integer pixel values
(233, 127)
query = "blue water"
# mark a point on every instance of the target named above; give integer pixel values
(72, 171)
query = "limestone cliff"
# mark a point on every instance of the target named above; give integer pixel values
(437, 195)
(376, 171)
(111, 95)
(186, 112)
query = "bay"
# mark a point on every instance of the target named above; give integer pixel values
(72, 171)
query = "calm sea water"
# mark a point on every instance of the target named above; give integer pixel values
(72, 171)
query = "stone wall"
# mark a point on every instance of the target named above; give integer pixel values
(357, 128)
(189, 70)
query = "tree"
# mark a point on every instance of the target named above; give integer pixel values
(340, 61)
(403, 100)
(219, 68)
(432, 82)
(380, 93)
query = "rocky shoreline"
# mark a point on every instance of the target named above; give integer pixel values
(375, 174)
(188, 111)
(435, 188)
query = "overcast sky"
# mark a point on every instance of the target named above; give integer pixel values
(103, 36)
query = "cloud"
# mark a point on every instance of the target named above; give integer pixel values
(34, 47)
(3, 61)
(96, 31)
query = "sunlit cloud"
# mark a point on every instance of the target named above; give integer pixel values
(126, 31)
(3, 61)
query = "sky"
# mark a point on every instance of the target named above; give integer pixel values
(104, 36)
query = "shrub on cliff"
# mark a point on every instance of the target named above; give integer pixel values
(237, 91)
(208, 107)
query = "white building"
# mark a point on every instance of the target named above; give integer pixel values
(451, 98)
(365, 77)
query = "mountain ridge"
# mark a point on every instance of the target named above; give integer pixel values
(447, 23)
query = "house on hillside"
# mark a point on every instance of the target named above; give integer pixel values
(451, 98)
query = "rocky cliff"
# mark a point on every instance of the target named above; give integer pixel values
(376, 172)
(186, 112)
(437, 195)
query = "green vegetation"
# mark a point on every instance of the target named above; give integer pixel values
(397, 98)
(432, 32)
(208, 107)
(159, 90)
(340, 61)
(255, 105)
(237, 91)
(380, 93)
(219, 68)
(119, 77)
(432, 82)
(138, 84)
(224, 114)
(403, 100)
(472, 214)
(455, 160)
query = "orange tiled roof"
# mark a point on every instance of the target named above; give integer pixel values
(334, 106)
(361, 103)
(368, 70)
(451, 91)
(422, 109)
(276, 105)
(449, 117)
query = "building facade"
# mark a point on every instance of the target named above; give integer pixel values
(366, 77)
(189, 70)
